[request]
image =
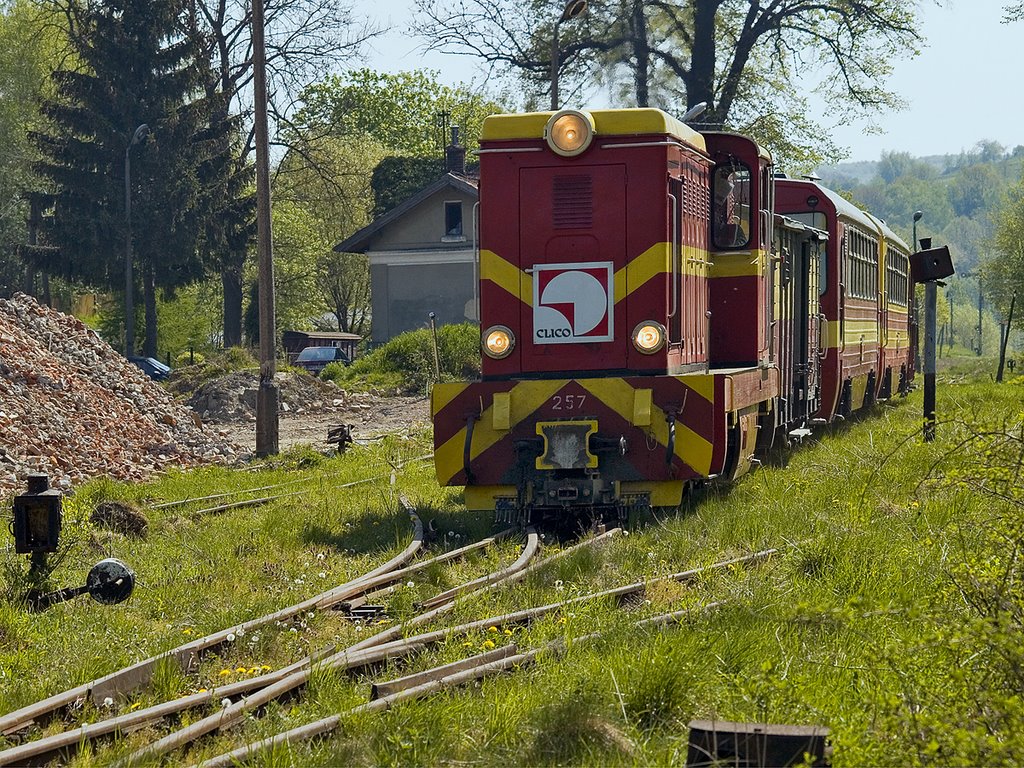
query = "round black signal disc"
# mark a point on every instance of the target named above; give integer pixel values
(110, 582)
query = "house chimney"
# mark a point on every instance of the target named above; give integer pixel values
(454, 155)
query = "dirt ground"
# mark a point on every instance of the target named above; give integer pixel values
(385, 415)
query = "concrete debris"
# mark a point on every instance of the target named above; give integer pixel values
(73, 408)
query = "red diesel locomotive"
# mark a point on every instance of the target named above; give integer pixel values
(648, 320)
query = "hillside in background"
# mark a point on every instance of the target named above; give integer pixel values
(957, 194)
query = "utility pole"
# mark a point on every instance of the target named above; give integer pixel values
(267, 426)
(979, 312)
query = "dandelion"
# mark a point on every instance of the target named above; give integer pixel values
(225, 702)
(253, 670)
(225, 672)
(492, 629)
(508, 633)
(135, 706)
(231, 637)
(240, 670)
(293, 629)
(323, 574)
(311, 615)
(320, 556)
(265, 668)
(410, 584)
(488, 644)
(467, 645)
(186, 631)
(562, 620)
(202, 690)
(108, 702)
(382, 621)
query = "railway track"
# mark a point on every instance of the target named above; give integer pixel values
(246, 698)
(386, 694)
(136, 676)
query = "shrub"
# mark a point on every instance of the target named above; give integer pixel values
(406, 363)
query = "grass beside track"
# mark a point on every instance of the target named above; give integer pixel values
(894, 618)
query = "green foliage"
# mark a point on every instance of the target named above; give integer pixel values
(406, 362)
(30, 36)
(399, 111)
(328, 179)
(136, 69)
(396, 179)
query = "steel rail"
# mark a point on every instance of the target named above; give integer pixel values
(492, 579)
(240, 491)
(165, 709)
(386, 695)
(214, 721)
(340, 660)
(140, 673)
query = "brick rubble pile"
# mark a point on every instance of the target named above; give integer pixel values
(73, 408)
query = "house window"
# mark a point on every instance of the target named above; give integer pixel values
(453, 219)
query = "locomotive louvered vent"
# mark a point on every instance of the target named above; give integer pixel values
(574, 202)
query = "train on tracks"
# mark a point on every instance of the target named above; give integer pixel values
(657, 306)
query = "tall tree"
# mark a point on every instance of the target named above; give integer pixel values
(138, 66)
(304, 39)
(1003, 272)
(28, 46)
(731, 54)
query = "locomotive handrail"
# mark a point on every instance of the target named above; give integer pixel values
(476, 260)
(822, 342)
(673, 255)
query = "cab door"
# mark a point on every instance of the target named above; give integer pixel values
(572, 234)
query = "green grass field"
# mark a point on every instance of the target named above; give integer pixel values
(893, 615)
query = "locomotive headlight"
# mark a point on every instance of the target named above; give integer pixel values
(569, 132)
(499, 342)
(649, 337)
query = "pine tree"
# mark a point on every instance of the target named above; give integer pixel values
(137, 66)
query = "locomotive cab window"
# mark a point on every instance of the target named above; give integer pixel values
(731, 215)
(453, 221)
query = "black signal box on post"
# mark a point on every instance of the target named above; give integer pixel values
(37, 517)
(931, 264)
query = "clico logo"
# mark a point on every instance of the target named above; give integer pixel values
(572, 302)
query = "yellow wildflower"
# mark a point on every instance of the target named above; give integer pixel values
(492, 629)
(225, 672)
(488, 644)
(265, 668)
(240, 670)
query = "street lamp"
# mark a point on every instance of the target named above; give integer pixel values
(129, 305)
(572, 9)
(917, 218)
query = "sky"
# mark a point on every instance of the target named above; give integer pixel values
(964, 87)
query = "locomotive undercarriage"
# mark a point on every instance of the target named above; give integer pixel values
(576, 493)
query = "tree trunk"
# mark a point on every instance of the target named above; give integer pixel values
(700, 86)
(149, 299)
(1006, 338)
(231, 283)
(642, 55)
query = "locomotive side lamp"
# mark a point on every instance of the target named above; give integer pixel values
(499, 342)
(37, 519)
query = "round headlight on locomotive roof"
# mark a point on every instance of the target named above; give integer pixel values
(569, 132)
(649, 337)
(499, 342)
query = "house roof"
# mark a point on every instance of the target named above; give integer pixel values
(358, 242)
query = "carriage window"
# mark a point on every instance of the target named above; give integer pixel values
(730, 226)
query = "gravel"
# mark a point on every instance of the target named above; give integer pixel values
(73, 408)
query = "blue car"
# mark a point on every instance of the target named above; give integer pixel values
(152, 367)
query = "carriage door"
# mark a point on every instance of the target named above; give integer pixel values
(812, 252)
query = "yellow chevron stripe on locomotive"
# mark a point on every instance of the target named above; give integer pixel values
(477, 423)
